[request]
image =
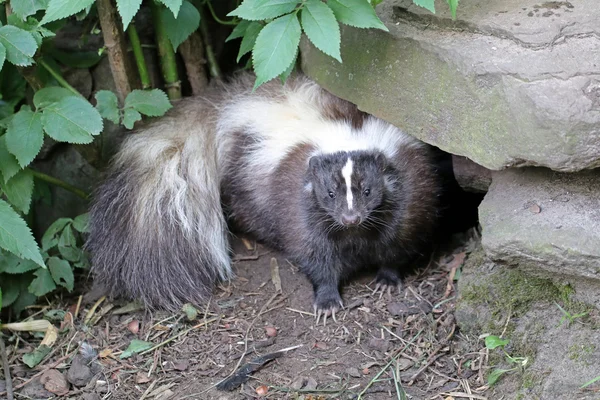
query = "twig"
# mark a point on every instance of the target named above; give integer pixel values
(9, 389)
(214, 15)
(138, 54)
(192, 53)
(57, 182)
(432, 357)
(213, 65)
(114, 40)
(177, 336)
(168, 63)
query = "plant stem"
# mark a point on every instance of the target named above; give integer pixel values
(58, 77)
(9, 388)
(59, 183)
(214, 15)
(213, 65)
(138, 53)
(168, 63)
(114, 40)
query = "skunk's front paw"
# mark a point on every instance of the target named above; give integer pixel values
(327, 303)
(387, 280)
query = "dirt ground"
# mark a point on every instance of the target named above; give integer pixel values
(403, 345)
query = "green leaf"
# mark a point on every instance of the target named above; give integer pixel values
(25, 298)
(358, 13)
(15, 235)
(20, 45)
(67, 238)
(491, 342)
(249, 39)
(73, 120)
(286, 74)
(24, 136)
(172, 5)
(8, 163)
(127, 10)
(59, 9)
(256, 10)
(2, 55)
(67, 245)
(453, 4)
(61, 272)
(239, 30)
(11, 264)
(35, 357)
(50, 238)
(107, 105)
(80, 223)
(130, 117)
(180, 28)
(321, 28)
(9, 295)
(19, 190)
(136, 346)
(152, 103)
(50, 95)
(495, 375)
(43, 283)
(426, 4)
(190, 311)
(275, 48)
(25, 8)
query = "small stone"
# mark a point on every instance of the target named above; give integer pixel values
(353, 372)
(311, 384)
(298, 383)
(379, 344)
(79, 373)
(262, 390)
(90, 396)
(181, 365)
(55, 382)
(404, 364)
(398, 309)
(271, 331)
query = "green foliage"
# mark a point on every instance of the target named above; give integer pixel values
(19, 45)
(136, 346)
(59, 9)
(427, 4)
(25, 136)
(15, 235)
(127, 10)
(319, 24)
(357, 13)
(519, 363)
(179, 28)
(152, 103)
(173, 5)
(35, 357)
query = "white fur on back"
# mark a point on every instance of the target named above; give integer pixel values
(278, 125)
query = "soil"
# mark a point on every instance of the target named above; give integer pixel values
(398, 345)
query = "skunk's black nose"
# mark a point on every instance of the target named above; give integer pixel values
(350, 220)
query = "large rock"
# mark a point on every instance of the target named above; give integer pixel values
(541, 221)
(510, 83)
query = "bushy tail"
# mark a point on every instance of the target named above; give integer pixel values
(158, 233)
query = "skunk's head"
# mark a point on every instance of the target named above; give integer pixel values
(349, 186)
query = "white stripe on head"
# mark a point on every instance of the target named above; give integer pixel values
(347, 174)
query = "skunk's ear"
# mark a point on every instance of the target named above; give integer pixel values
(314, 164)
(381, 161)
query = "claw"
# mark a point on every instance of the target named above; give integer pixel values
(319, 312)
(325, 318)
(333, 316)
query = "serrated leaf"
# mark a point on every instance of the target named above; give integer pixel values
(43, 283)
(275, 48)
(491, 342)
(61, 272)
(357, 13)
(426, 4)
(15, 235)
(321, 27)
(453, 4)
(286, 74)
(35, 357)
(136, 346)
(50, 95)
(130, 117)
(8, 163)
(19, 190)
(152, 103)
(256, 10)
(72, 254)
(72, 120)
(67, 238)
(20, 45)
(67, 245)
(2, 55)
(11, 264)
(173, 5)
(238, 31)
(59, 9)
(9, 295)
(127, 10)
(25, 8)
(180, 28)
(81, 223)
(249, 39)
(107, 105)
(50, 238)
(25, 136)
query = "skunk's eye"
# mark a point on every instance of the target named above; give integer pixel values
(367, 192)
(331, 194)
